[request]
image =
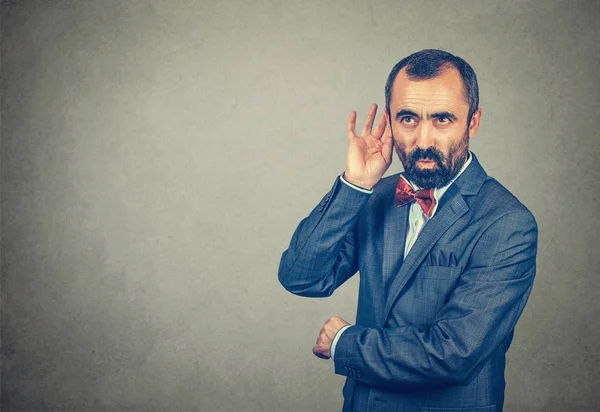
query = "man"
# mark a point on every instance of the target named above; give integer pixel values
(446, 254)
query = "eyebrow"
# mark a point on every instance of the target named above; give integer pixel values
(436, 115)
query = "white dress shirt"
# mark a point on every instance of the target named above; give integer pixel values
(416, 221)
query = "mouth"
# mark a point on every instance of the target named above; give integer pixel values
(426, 162)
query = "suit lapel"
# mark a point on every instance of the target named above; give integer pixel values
(432, 231)
(393, 243)
(396, 270)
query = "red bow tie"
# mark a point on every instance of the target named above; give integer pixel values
(405, 194)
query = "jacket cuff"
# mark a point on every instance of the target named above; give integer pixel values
(343, 360)
(360, 189)
(335, 340)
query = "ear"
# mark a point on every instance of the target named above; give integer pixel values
(474, 125)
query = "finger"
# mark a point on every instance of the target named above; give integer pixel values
(317, 351)
(381, 125)
(352, 125)
(369, 120)
(331, 335)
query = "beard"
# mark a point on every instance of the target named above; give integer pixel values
(446, 166)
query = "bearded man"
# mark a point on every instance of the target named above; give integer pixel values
(446, 254)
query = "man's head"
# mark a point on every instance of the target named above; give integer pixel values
(432, 100)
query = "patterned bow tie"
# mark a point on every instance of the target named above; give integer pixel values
(405, 194)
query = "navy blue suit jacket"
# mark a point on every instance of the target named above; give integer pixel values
(431, 330)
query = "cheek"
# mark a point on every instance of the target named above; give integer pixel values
(401, 137)
(444, 139)
(442, 144)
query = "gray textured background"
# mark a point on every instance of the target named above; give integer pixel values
(157, 156)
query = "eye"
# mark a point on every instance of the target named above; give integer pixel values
(443, 121)
(407, 120)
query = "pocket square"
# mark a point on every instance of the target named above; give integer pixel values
(442, 258)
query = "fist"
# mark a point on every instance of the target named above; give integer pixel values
(331, 327)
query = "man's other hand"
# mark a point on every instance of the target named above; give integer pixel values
(370, 154)
(323, 347)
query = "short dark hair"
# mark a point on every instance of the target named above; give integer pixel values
(427, 64)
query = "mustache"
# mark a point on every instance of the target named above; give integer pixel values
(430, 153)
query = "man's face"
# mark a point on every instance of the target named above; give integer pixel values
(429, 126)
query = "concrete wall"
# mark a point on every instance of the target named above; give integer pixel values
(157, 156)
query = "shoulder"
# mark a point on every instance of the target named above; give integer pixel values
(384, 190)
(379, 204)
(386, 185)
(495, 202)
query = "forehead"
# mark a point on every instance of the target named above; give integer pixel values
(443, 91)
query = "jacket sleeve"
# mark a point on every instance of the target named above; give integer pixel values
(322, 253)
(481, 311)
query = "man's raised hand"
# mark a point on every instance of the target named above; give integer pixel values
(370, 154)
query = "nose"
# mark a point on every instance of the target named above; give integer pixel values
(424, 136)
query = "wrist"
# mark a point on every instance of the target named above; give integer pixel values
(335, 340)
(358, 183)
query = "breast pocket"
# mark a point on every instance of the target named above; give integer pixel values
(438, 272)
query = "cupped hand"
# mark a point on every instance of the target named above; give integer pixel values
(370, 154)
